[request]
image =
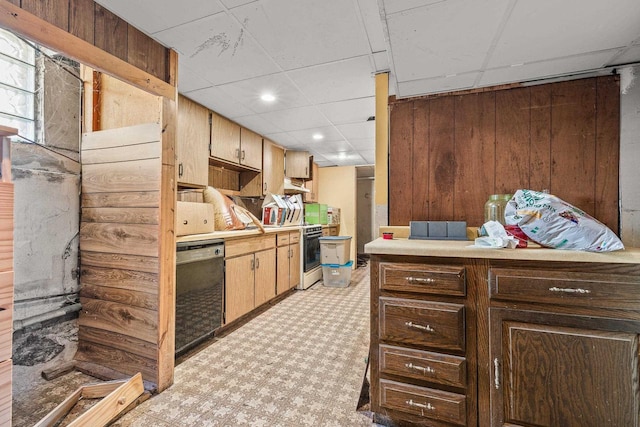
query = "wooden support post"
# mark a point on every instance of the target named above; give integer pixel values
(5, 152)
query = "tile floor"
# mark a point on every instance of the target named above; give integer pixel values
(300, 363)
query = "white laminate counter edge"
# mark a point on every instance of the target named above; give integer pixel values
(235, 234)
(461, 249)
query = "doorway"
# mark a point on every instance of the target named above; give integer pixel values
(364, 207)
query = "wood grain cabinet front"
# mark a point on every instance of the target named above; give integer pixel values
(421, 278)
(288, 259)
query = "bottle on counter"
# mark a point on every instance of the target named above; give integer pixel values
(494, 207)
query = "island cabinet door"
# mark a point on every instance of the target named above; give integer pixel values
(562, 370)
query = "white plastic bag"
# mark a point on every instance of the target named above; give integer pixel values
(552, 222)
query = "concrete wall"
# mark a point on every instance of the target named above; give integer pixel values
(47, 187)
(630, 156)
(337, 188)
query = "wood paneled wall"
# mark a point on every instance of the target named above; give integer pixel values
(123, 301)
(449, 153)
(96, 25)
(6, 297)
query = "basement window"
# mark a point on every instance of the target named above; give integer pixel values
(17, 84)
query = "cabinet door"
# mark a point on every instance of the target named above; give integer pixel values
(192, 143)
(561, 370)
(265, 276)
(312, 184)
(272, 168)
(239, 291)
(297, 164)
(225, 139)
(250, 149)
(294, 265)
(282, 274)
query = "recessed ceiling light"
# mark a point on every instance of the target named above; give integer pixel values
(317, 136)
(267, 97)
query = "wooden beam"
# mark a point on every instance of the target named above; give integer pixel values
(40, 31)
(5, 152)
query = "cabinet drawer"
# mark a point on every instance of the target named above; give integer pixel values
(294, 237)
(423, 365)
(238, 247)
(565, 288)
(425, 323)
(283, 239)
(426, 279)
(425, 402)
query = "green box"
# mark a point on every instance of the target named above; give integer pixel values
(316, 213)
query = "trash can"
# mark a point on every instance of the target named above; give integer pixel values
(335, 249)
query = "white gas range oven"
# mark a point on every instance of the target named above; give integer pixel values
(312, 271)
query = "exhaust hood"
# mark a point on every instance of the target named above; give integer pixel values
(291, 187)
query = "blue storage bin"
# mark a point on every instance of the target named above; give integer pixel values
(336, 275)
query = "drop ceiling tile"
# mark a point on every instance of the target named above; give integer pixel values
(344, 159)
(152, 16)
(395, 6)
(348, 79)
(381, 61)
(363, 144)
(332, 148)
(349, 111)
(248, 92)
(219, 48)
(257, 124)
(297, 118)
(369, 156)
(544, 69)
(628, 56)
(545, 29)
(443, 38)
(329, 133)
(305, 32)
(235, 3)
(283, 138)
(189, 80)
(358, 130)
(372, 24)
(216, 100)
(437, 84)
(325, 163)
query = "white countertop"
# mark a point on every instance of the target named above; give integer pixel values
(234, 234)
(461, 249)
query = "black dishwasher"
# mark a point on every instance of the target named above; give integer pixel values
(199, 291)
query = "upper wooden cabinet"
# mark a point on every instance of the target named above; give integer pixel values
(297, 164)
(272, 168)
(312, 184)
(192, 143)
(233, 144)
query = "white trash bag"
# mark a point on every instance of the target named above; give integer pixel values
(554, 223)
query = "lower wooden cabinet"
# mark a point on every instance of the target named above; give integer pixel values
(288, 260)
(239, 295)
(265, 276)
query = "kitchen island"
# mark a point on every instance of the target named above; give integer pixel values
(469, 336)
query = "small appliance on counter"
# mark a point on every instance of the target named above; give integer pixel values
(438, 230)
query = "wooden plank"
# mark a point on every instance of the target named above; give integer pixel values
(124, 106)
(573, 142)
(52, 418)
(137, 175)
(122, 215)
(110, 32)
(400, 152)
(442, 162)
(81, 19)
(6, 332)
(115, 402)
(118, 341)
(100, 390)
(475, 155)
(110, 316)
(6, 289)
(145, 53)
(420, 161)
(5, 392)
(55, 12)
(225, 179)
(540, 163)
(57, 371)
(151, 150)
(46, 34)
(122, 137)
(133, 298)
(513, 131)
(121, 279)
(118, 360)
(130, 239)
(138, 199)
(607, 151)
(119, 261)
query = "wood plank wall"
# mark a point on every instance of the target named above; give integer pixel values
(119, 250)
(563, 137)
(6, 298)
(96, 25)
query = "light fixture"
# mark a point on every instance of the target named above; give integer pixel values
(268, 97)
(317, 136)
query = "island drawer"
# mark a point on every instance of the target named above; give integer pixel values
(584, 289)
(424, 402)
(423, 365)
(424, 323)
(423, 278)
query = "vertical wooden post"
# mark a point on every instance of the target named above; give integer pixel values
(5, 152)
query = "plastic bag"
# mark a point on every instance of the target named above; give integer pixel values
(554, 223)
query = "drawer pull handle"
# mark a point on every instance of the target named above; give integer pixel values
(420, 280)
(496, 373)
(416, 326)
(427, 370)
(570, 290)
(427, 406)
